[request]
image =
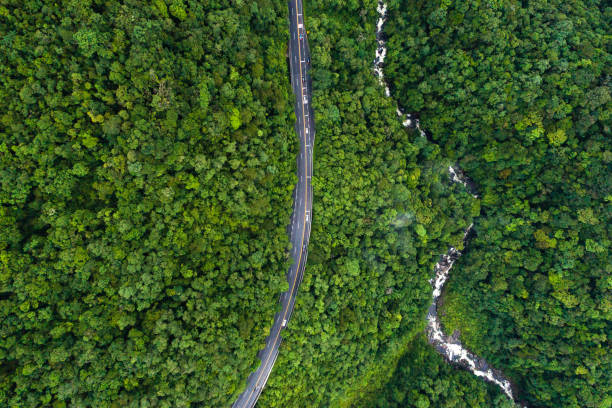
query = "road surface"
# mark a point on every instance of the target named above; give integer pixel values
(299, 229)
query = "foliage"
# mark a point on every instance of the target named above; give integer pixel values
(424, 379)
(147, 163)
(519, 93)
(147, 157)
(384, 208)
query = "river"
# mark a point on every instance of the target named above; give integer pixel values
(448, 346)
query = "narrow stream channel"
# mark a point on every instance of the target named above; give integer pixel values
(450, 347)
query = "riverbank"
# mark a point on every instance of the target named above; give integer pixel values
(448, 346)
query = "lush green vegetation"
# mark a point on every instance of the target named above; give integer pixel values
(424, 379)
(147, 165)
(384, 209)
(147, 160)
(519, 94)
(147, 157)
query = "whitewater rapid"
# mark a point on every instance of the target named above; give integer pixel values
(448, 346)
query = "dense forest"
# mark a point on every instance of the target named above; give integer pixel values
(147, 157)
(147, 164)
(147, 161)
(384, 209)
(424, 379)
(519, 94)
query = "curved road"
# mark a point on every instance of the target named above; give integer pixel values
(299, 229)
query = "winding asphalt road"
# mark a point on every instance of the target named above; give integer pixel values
(299, 229)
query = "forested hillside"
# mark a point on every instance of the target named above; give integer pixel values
(424, 379)
(147, 160)
(384, 208)
(147, 157)
(519, 94)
